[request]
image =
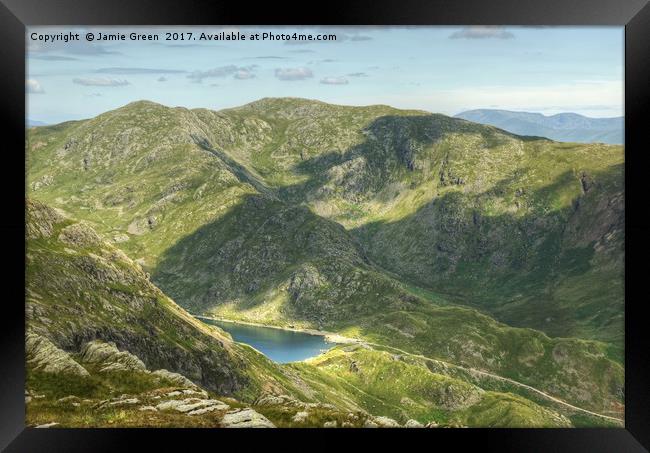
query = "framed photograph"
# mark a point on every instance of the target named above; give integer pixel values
(374, 219)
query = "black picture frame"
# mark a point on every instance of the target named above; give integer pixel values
(15, 15)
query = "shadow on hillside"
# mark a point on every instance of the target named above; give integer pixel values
(497, 263)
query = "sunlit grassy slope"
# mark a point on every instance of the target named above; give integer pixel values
(369, 220)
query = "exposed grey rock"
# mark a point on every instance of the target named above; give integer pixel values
(192, 405)
(246, 418)
(176, 378)
(413, 424)
(370, 424)
(43, 355)
(124, 402)
(204, 410)
(148, 408)
(330, 424)
(47, 425)
(385, 422)
(110, 357)
(215, 404)
(79, 235)
(278, 400)
(41, 220)
(300, 416)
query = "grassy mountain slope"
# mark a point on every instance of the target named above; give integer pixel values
(367, 220)
(83, 292)
(523, 228)
(80, 288)
(403, 388)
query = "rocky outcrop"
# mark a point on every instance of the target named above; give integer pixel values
(413, 424)
(79, 235)
(278, 400)
(43, 355)
(110, 358)
(193, 406)
(300, 417)
(245, 418)
(40, 220)
(385, 422)
(176, 378)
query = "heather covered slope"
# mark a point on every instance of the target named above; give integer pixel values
(371, 221)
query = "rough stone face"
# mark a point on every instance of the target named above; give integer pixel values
(193, 406)
(79, 235)
(148, 408)
(246, 418)
(47, 425)
(43, 355)
(370, 424)
(413, 424)
(385, 422)
(300, 416)
(124, 402)
(110, 357)
(176, 378)
(41, 220)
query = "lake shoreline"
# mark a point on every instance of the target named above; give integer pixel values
(330, 337)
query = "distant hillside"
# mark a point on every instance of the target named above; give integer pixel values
(32, 123)
(563, 127)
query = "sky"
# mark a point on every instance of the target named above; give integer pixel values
(438, 69)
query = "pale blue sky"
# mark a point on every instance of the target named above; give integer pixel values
(438, 69)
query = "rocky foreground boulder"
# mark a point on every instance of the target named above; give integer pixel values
(246, 418)
(110, 358)
(43, 355)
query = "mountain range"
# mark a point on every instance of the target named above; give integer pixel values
(484, 265)
(565, 127)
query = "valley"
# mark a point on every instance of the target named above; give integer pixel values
(485, 268)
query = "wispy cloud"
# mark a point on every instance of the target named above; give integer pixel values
(334, 81)
(482, 32)
(33, 86)
(222, 71)
(243, 74)
(99, 82)
(301, 73)
(302, 51)
(268, 57)
(357, 74)
(162, 79)
(129, 71)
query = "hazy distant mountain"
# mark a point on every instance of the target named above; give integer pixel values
(565, 127)
(32, 123)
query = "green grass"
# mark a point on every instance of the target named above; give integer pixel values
(369, 220)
